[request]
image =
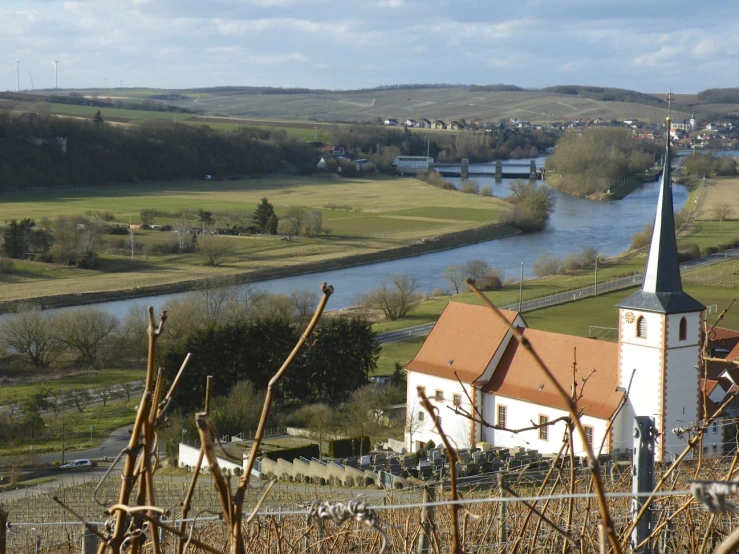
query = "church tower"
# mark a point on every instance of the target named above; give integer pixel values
(659, 329)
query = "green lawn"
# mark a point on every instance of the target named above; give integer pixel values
(104, 420)
(94, 379)
(575, 318)
(400, 352)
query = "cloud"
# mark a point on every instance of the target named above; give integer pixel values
(359, 43)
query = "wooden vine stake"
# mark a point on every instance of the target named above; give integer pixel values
(232, 506)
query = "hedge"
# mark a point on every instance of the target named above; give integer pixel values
(343, 448)
(309, 451)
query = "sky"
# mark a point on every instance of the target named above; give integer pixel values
(646, 45)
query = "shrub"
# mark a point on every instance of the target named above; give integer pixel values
(641, 238)
(688, 251)
(546, 265)
(470, 186)
(487, 190)
(117, 230)
(429, 445)
(489, 282)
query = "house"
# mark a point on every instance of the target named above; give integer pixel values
(338, 151)
(472, 368)
(411, 123)
(424, 123)
(391, 122)
(438, 124)
(455, 126)
(322, 164)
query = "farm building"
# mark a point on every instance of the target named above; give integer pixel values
(471, 365)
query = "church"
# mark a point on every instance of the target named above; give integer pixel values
(470, 363)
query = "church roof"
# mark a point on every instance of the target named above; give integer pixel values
(662, 289)
(517, 375)
(464, 339)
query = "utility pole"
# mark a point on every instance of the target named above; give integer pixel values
(520, 289)
(597, 259)
(643, 482)
(56, 74)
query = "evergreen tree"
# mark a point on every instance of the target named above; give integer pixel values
(262, 214)
(17, 238)
(97, 119)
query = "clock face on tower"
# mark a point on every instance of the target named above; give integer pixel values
(629, 317)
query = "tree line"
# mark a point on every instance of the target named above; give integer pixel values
(592, 160)
(383, 144)
(149, 150)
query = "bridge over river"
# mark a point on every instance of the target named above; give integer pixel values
(497, 169)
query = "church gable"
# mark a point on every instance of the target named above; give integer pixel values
(465, 340)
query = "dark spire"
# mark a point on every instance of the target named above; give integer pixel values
(662, 289)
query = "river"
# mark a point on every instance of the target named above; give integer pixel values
(576, 223)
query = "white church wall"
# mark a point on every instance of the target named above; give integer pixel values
(520, 414)
(681, 385)
(457, 427)
(693, 327)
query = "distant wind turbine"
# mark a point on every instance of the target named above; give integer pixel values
(18, 74)
(56, 74)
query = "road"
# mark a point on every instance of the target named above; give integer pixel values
(562, 297)
(111, 447)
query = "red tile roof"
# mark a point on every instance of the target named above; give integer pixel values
(517, 375)
(464, 340)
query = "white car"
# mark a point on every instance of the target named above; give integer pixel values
(77, 464)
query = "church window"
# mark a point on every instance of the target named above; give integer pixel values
(683, 329)
(439, 395)
(502, 416)
(714, 448)
(715, 427)
(544, 429)
(457, 399)
(589, 435)
(641, 327)
(420, 416)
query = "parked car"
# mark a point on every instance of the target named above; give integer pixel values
(78, 464)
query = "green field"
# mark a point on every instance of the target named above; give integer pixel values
(17, 392)
(397, 352)
(372, 224)
(575, 318)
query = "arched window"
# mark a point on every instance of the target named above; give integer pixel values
(641, 327)
(683, 329)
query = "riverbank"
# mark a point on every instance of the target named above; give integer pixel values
(445, 241)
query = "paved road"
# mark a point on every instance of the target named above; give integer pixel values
(117, 441)
(562, 297)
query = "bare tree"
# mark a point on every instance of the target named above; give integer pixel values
(305, 302)
(89, 331)
(80, 398)
(33, 333)
(105, 394)
(182, 230)
(412, 424)
(722, 212)
(393, 298)
(216, 294)
(214, 249)
(289, 226)
(456, 275)
(321, 423)
(476, 269)
(312, 223)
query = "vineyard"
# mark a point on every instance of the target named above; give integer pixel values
(490, 521)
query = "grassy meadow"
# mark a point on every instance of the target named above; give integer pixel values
(381, 213)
